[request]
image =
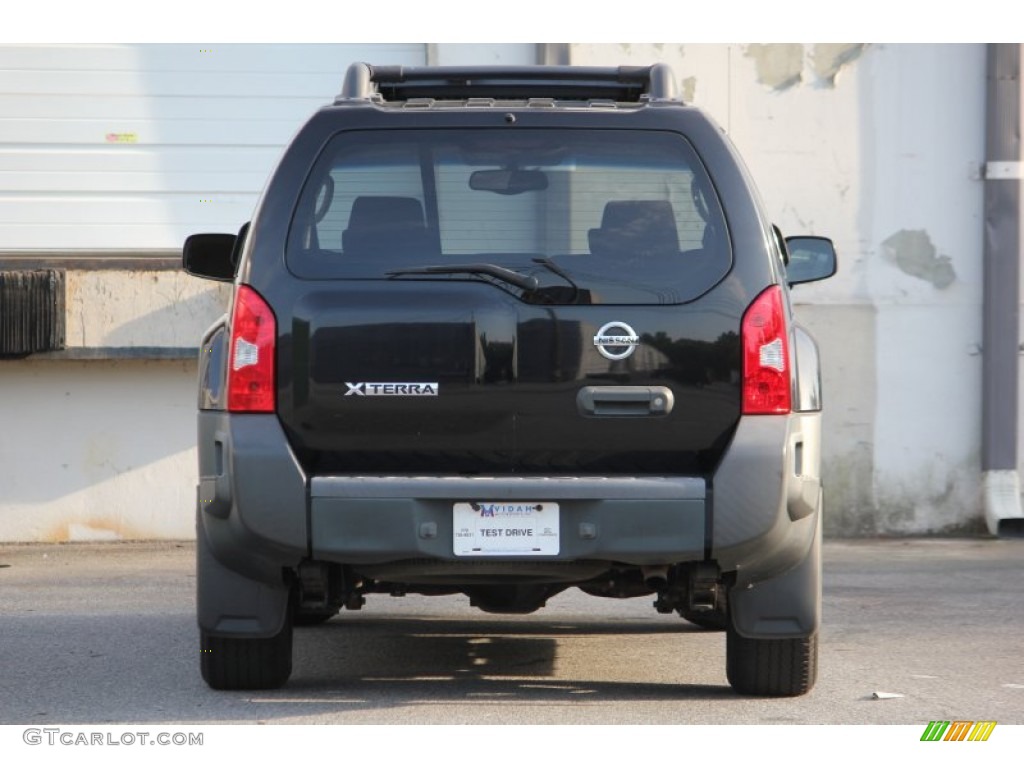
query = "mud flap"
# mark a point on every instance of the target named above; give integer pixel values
(231, 605)
(786, 606)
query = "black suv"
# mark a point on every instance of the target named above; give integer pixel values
(502, 332)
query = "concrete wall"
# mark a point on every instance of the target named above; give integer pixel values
(878, 147)
(97, 450)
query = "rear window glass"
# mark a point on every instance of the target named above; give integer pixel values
(593, 216)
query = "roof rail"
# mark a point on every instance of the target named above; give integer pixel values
(398, 83)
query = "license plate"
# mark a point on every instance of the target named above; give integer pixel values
(505, 528)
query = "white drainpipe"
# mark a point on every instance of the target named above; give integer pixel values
(1001, 303)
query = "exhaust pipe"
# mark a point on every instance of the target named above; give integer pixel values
(655, 577)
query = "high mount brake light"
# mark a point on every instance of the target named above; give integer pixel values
(251, 387)
(767, 383)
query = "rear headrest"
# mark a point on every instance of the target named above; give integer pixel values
(378, 225)
(636, 228)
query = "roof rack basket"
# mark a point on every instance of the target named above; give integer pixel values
(397, 83)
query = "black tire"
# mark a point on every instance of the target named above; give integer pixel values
(247, 664)
(787, 667)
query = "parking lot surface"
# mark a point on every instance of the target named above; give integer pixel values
(105, 633)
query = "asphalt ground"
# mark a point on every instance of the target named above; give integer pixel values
(105, 633)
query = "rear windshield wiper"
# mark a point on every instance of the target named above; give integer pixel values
(526, 282)
(551, 266)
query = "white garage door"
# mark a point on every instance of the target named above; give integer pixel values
(138, 146)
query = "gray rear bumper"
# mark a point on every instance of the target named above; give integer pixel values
(637, 521)
(262, 514)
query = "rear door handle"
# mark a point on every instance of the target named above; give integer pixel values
(625, 401)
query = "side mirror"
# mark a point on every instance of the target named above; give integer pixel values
(213, 257)
(810, 259)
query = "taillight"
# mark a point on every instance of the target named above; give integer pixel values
(766, 375)
(251, 355)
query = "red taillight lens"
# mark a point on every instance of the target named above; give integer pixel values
(766, 375)
(251, 355)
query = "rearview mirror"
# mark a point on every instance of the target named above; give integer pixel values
(810, 259)
(508, 181)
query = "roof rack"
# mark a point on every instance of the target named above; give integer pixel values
(397, 83)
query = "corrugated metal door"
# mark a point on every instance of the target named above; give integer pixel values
(137, 146)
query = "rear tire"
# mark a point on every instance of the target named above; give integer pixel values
(247, 664)
(783, 667)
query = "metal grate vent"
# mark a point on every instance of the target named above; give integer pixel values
(31, 311)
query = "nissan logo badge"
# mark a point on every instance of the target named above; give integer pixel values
(616, 340)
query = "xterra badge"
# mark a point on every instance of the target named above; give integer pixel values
(616, 340)
(392, 389)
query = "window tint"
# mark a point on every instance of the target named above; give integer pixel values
(627, 216)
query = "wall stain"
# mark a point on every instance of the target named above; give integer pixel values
(689, 88)
(942, 500)
(850, 508)
(779, 65)
(913, 252)
(858, 505)
(96, 528)
(828, 60)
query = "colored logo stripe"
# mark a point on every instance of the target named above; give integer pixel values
(958, 730)
(982, 730)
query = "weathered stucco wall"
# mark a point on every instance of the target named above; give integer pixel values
(878, 147)
(140, 309)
